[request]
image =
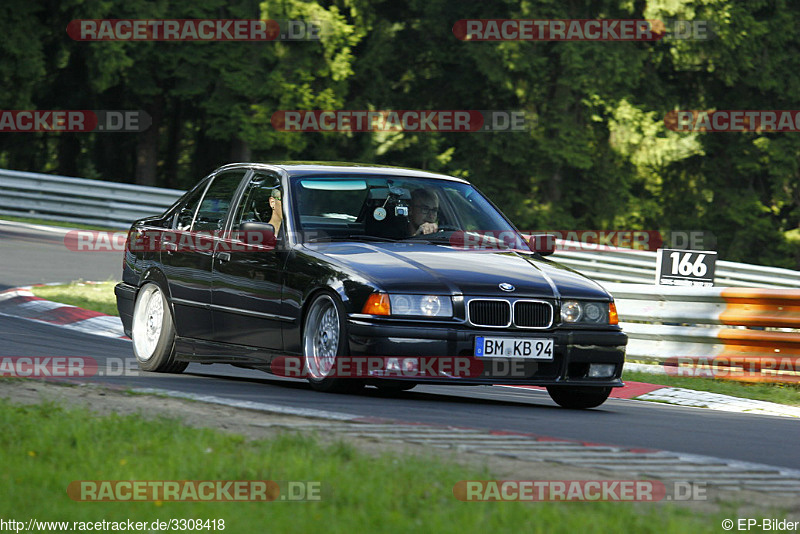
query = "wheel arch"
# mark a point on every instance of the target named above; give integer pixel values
(312, 294)
(337, 287)
(156, 276)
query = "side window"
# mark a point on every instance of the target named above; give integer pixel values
(469, 214)
(185, 213)
(215, 204)
(256, 205)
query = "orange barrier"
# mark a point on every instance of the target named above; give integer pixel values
(764, 348)
(766, 355)
(778, 308)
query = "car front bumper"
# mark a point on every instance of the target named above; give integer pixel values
(573, 353)
(126, 297)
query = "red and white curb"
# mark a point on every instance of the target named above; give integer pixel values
(688, 397)
(705, 399)
(22, 303)
(715, 401)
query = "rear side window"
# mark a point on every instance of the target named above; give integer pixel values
(185, 215)
(217, 200)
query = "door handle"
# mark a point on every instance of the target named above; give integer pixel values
(224, 256)
(170, 247)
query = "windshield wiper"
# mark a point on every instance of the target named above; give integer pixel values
(352, 237)
(429, 238)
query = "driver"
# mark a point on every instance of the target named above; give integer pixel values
(277, 210)
(424, 212)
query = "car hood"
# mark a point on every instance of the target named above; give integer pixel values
(429, 268)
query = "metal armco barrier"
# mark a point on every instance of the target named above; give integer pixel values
(639, 267)
(746, 334)
(78, 200)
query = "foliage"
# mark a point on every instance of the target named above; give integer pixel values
(597, 156)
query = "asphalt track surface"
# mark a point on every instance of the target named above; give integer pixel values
(627, 423)
(37, 256)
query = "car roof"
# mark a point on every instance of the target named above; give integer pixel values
(315, 168)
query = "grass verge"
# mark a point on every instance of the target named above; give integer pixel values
(779, 393)
(96, 296)
(45, 447)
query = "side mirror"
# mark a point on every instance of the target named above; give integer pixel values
(257, 234)
(544, 244)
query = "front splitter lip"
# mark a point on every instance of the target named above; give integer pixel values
(612, 383)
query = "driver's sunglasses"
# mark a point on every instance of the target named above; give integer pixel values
(426, 209)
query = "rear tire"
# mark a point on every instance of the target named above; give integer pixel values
(153, 332)
(577, 397)
(324, 341)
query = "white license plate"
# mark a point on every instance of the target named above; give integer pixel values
(533, 348)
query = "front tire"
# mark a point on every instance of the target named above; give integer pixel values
(153, 332)
(577, 397)
(324, 341)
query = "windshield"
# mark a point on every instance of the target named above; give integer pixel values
(398, 208)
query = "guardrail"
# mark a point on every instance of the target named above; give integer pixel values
(78, 200)
(116, 205)
(741, 334)
(750, 334)
(639, 267)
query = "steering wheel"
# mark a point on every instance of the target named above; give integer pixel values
(440, 230)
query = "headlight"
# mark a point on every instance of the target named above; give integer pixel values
(421, 305)
(409, 305)
(593, 312)
(586, 312)
(571, 311)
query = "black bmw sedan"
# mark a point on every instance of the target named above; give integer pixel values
(347, 275)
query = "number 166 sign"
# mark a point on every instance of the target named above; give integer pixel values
(685, 267)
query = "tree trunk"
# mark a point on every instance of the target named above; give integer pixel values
(69, 148)
(147, 146)
(555, 185)
(240, 150)
(173, 146)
